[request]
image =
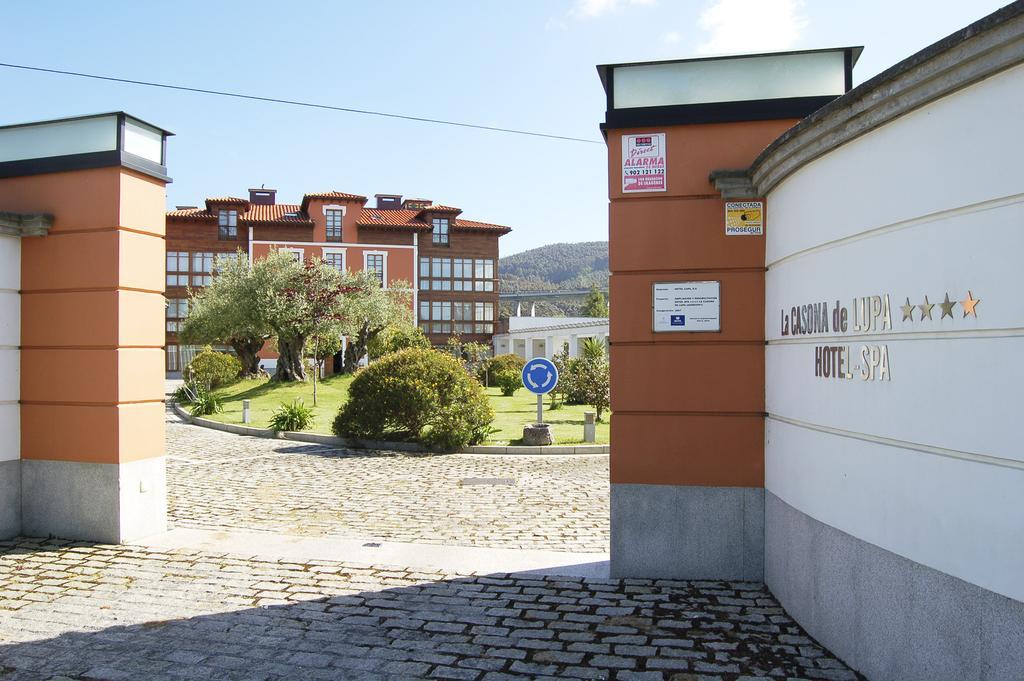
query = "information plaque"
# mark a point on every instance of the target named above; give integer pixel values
(687, 306)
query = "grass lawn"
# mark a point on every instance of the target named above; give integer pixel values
(510, 413)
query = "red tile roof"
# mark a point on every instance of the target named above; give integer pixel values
(276, 213)
(340, 196)
(380, 217)
(201, 213)
(434, 208)
(481, 226)
(368, 217)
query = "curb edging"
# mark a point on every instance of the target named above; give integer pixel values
(316, 438)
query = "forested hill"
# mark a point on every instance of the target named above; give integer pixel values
(556, 267)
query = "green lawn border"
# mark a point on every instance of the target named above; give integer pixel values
(518, 450)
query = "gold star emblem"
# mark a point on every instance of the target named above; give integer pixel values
(969, 304)
(926, 309)
(908, 311)
(947, 307)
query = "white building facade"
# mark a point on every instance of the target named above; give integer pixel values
(531, 337)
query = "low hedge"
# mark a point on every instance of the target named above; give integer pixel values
(416, 394)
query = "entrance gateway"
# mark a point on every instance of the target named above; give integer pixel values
(847, 431)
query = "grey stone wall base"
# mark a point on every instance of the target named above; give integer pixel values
(100, 502)
(10, 499)
(887, 616)
(687, 532)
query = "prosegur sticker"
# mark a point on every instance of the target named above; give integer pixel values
(744, 218)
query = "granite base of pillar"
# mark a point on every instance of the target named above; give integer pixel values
(10, 498)
(687, 532)
(99, 502)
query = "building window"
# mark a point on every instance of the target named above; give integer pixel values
(296, 253)
(483, 274)
(441, 274)
(463, 313)
(227, 224)
(439, 315)
(442, 316)
(484, 318)
(177, 268)
(425, 274)
(335, 257)
(440, 233)
(334, 217)
(173, 358)
(222, 260)
(177, 310)
(202, 268)
(375, 262)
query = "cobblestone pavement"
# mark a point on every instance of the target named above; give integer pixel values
(223, 481)
(75, 611)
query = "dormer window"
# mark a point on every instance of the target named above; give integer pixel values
(440, 233)
(227, 224)
(334, 217)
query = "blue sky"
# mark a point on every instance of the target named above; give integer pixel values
(526, 65)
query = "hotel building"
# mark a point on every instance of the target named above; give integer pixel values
(450, 262)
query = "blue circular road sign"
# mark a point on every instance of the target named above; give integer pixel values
(540, 376)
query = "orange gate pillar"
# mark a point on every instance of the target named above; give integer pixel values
(92, 310)
(687, 305)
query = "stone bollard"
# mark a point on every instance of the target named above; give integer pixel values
(245, 411)
(536, 434)
(590, 426)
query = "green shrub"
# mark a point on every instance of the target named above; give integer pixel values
(184, 394)
(584, 380)
(212, 369)
(205, 402)
(508, 380)
(508, 362)
(416, 394)
(396, 338)
(291, 417)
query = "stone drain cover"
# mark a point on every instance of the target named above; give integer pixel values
(486, 481)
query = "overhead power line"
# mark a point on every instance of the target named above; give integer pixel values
(311, 105)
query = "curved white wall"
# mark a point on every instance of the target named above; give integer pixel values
(929, 464)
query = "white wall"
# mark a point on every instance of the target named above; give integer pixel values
(928, 464)
(10, 339)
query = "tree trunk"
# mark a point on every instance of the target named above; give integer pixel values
(247, 349)
(289, 361)
(356, 347)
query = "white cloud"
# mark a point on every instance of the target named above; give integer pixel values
(671, 38)
(589, 9)
(751, 25)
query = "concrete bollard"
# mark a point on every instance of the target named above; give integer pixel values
(590, 426)
(245, 411)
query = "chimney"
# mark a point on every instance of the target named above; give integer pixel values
(263, 196)
(185, 207)
(389, 201)
(415, 204)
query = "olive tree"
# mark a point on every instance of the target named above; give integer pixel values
(301, 302)
(226, 312)
(365, 316)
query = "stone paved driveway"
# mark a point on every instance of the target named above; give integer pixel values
(222, 481)
(74, 611)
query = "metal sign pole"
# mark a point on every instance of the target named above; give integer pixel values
(540, 409)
